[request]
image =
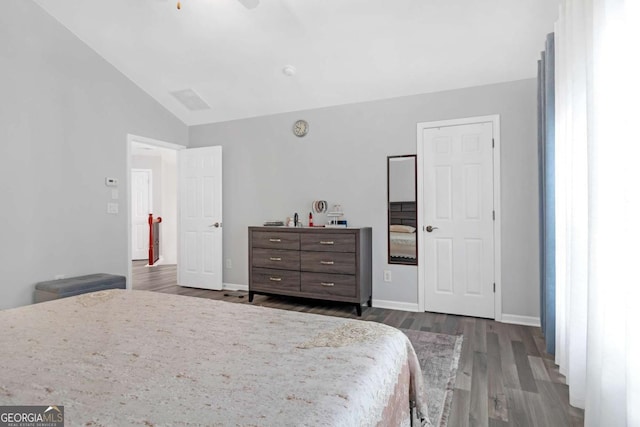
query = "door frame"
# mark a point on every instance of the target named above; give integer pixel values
(497, 251)
(157, 143)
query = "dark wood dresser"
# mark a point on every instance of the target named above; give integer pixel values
(322, 263)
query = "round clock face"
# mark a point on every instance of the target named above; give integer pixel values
(300, 128)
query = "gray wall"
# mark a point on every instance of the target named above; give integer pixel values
(269, 174)
(64, 117)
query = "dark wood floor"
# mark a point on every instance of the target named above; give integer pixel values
(505, 378)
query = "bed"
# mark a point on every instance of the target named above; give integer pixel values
(402, 245)
(122, 357)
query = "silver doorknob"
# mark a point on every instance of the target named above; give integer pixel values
(430, 228)
(216, 225)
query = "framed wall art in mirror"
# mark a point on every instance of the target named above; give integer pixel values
(402, 210)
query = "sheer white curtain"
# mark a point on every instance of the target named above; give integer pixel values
(598, 207)
(572, 197)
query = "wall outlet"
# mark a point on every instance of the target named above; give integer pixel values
(59, 276)
(387, 275)
(228, 263)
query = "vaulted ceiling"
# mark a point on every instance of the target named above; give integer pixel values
(343, 51)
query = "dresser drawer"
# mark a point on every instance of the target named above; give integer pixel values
(275, 240)
(276, 258)
(328, 242)
(328, 262)
(271, 280)
(328, 284)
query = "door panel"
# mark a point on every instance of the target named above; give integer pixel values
(200, 223)
(443, 197)
(458, 204)
(140, 210)
(444, 265)
(473, 258)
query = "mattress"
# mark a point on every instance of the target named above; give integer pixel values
(402, 245)
(122, 358)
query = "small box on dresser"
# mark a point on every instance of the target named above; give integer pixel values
(332, 264)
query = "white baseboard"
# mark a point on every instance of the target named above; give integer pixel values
(521, 320)
(234, 287)
(395, 305)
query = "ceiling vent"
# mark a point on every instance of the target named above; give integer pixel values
(190, 100)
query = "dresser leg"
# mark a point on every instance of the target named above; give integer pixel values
(250, 296)
(359, 309)
(369, 302)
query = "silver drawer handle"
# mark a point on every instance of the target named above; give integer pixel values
(327, 262)
(275, 279)
(326, 242)
(327, 284)
(273, 258)
(275, 240)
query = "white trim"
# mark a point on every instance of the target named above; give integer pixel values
(420, 222)
(521, 320)
(127, 184)
(395, 305)
(155, 142)
(234, 287)
(497, 225)
(497, 262)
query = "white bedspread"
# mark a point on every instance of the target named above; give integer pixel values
(402, 245)
(117, 358)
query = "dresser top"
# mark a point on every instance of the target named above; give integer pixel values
(308, 229)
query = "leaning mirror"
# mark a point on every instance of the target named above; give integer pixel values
(402, 210)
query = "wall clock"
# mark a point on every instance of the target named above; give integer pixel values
(300, 128)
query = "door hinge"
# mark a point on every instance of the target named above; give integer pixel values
(494, 215)
(494, 288)
(493, 143)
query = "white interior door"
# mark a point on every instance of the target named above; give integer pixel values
(458, 220)
(200, 217)
(140, 210)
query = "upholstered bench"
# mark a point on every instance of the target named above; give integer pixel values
(62, 288)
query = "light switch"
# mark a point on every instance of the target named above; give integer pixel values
(111, 182)
(115, 194)
(112, 208)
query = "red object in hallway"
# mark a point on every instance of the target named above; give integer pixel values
(152, 257)
(310, 219)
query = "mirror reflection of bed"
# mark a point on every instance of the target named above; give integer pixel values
(402, 210)
(402, 232)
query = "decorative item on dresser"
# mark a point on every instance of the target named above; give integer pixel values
(328, 264)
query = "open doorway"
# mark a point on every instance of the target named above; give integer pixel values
(152, 189)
